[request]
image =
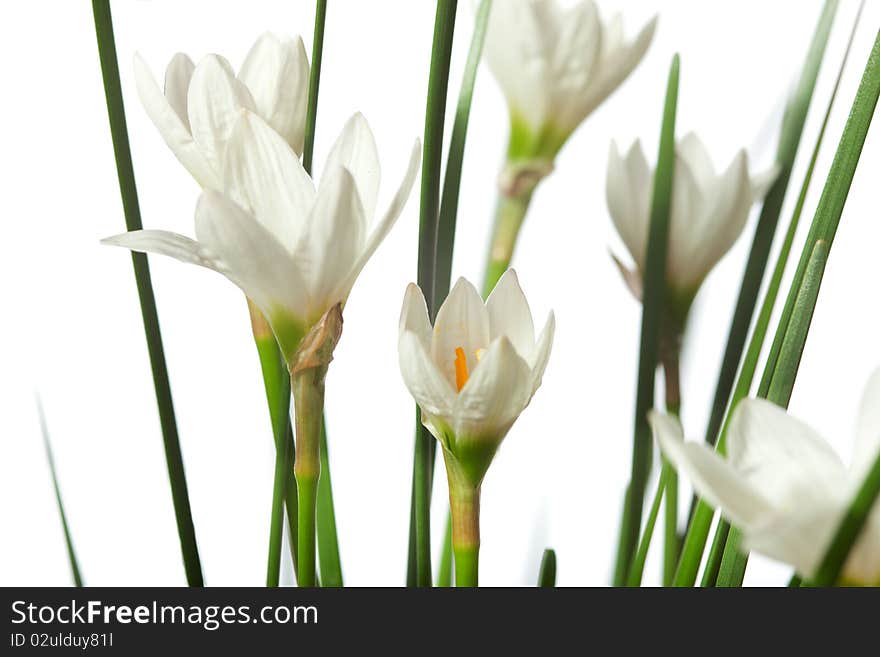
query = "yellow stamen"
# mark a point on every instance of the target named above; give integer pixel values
(461, 369)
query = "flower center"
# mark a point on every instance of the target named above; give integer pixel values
(461, 367)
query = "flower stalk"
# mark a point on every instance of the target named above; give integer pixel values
(509, 217)
(464, 503)
(308, 369)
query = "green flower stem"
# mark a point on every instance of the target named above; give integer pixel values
(314, 83)
(732, 569)
(509, 217)
(672, 540)
(130, 206)
(464, 502)
(716, 552)
(308, 368)
(444, 574)
(328, 540)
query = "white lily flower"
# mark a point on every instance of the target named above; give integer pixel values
(783, 485)
(477, 370)
(708, 213)
(199, 108)
(294, 250)
(556, 65)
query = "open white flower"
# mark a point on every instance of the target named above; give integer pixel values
(556, 65)
(783, 485)
(294, 250)
(477, 370)
(709, 211)
(199, 108)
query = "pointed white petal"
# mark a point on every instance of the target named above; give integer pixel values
(616, 66)
(333, 240)
(169, 244)
(628, 190)
(431, 391)
(384, 226)
(541, 354)
(254, 259)
(414, 315)
(177, 78)
(355, 149)
(783, 458)
(762, 182)
(174, 131)
(509, 314)
(495, 394)
(265, 176)
(214, 101)
(713, 478)
(693, 151)
(867, 430)
(277, 74)
(462, 322)
(687, 231)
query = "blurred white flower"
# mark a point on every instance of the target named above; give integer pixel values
(295, 251)
(783, 485)
(477, 370)
(201, 104)
(555, 66)
(709, 211)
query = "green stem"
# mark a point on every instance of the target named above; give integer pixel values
(464, 503)
(547, 573)
(444, 574)
(716, 553)
(308, 397)
(276, 526)
(509, 217)
(314, 83)
(128, 189)
(732, 569)
(672, 541)
(328, 540)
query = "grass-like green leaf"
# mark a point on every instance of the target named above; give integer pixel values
(328, 540)
(128, 189)
(653, 305)
(314, 83)
(637, 568)
(701, 519)
(793, 122)
(65, 526)
(419, 568)
(547, 573)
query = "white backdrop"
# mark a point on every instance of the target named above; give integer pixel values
(72, 329)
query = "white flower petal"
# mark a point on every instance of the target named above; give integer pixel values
(414, 315)
(495, 394)
(355, 149)
(174, 131)
(687, 234)
(214, 101)
(334, 240)
(780, 456)
(628, 192)
(867, 444)
(716, 480)
(177, 78)
(384, 226)
(169, 244)
(541, 354)
(616, 66)
(254, 259)
(574, 66)
(693, 151)
(264, 175)
(462, 322)
(430, 389)
(509, 314)
(277, 74)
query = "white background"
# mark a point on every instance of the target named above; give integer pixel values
(72, 329)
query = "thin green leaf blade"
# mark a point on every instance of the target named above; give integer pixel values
(547, 573)
(653, 303)
(128, 190)
(328, 540)
(314, 83)
(65, 525)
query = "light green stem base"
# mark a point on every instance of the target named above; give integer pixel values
(509, 217)
(308, 397)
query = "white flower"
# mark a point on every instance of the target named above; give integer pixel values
(557, 65)
(295, 251)
(709, 211)
(475, 372)
(783, 485)
(200, 106)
